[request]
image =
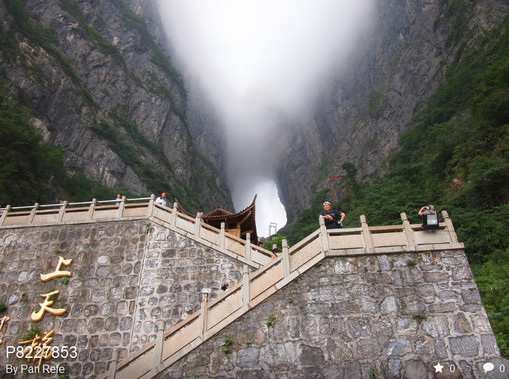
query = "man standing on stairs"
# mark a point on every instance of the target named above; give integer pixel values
(333, 219)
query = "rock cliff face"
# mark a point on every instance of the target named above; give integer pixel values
(361, 112)
(103, 89)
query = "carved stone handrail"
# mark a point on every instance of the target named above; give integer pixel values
(255, 287)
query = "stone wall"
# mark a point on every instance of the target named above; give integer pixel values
(359, 317)
(386, 316)
(175, 271)
(129, 278)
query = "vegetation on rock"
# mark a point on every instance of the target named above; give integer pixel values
(37, 53)
(32, 169)
(457, 158)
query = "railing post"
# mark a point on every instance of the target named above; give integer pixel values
(409, 232)
(245, 285)
(32, 213)
(61, 212)
(366, 235)
(113, 365)
(174, 214)
(248, 247)
(121, 207)
(222, 237)
(197, 224)
(204, 311)
(4, 215)
(150, 210)
(91, 209)
(158, 348)
(450, 227)
(286, 259)
(324, 235)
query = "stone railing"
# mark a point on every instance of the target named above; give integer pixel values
(146, 207)
(254, 288)
(392, 238)
(227, 243)
(73, 212)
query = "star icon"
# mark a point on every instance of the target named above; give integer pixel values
(438, 367)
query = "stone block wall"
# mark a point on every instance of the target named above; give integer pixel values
(129, 278)
(175, 270)
(389, 316)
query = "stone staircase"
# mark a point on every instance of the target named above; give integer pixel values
(173, 344)
(255, 287)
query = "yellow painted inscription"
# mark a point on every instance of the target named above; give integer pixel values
(3, 320)
(46, 307)
(57, 273)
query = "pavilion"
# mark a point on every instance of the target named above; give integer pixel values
(238, 224)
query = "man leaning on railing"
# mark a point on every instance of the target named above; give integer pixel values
(333, 219)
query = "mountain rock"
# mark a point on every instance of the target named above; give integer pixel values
(362, 110)
(101, 86)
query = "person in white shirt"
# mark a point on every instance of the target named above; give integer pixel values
(162, 199)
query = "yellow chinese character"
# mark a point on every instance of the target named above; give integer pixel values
(3, 320)
(39, 348)
(45, 307)
(46, 349)
(57, 273)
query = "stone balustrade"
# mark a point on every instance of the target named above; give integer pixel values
(254, 288)
(146, 207)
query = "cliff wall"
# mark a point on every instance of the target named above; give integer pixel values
(363, 108)
(101, 87)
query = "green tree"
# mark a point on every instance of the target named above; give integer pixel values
(28, 162)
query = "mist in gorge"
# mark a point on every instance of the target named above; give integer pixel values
(260, 64)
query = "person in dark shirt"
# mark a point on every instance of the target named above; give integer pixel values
(333, 219)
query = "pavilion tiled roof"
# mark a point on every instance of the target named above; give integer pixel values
(246, 219)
